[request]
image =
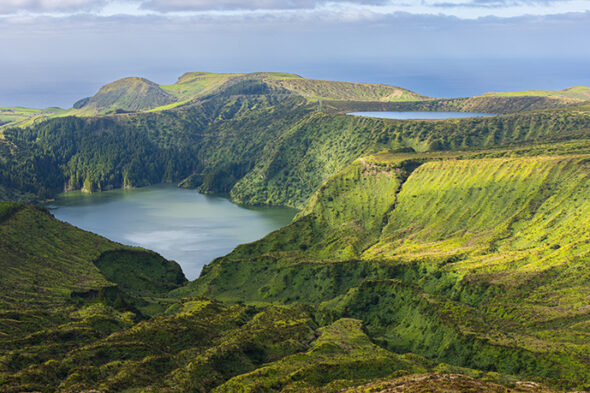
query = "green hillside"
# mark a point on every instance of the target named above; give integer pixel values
(575, 93)
(195, 84)
(477, 262)
(346, 91)
(16, 114)
(198, 84)
(422, 310)
(135, 94)
(205, 346)
(128, 94)
(342, 353)
(80, 313)
(300, 160)
(11, 116)
(45, 263)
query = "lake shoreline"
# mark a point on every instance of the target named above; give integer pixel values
(420, 115)
(182, 225)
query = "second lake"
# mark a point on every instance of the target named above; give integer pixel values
(420, 115)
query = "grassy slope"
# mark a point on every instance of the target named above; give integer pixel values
(15, 114)
(58, 291)
(196, 84)
(301, 159)
(199, 84)
(218, 139)
(128, 94)
(220, 142)
(18, 116)
(45, 262)
(198, 347)
(53, 341)
(467, 252)
(139, 94)
(206, 346)
(345, 91)
(575, 93)
(342, 353)
(203, 345)
(444, 383)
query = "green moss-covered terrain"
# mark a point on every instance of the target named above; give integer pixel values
(11, 116)
(474, 259)
(129, 94)
(579, 93)
(441, 256)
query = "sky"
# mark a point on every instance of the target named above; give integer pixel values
(55, 52)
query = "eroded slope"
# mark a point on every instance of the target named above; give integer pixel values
(479, 262)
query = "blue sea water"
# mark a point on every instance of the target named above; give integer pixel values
(461, 77)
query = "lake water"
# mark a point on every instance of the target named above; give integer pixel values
(183, 225)
(422, 115)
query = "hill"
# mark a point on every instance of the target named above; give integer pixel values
(139, 94)
(82, 313)
(197, 84)
(575, 93)
(346, 91)
(128, 94)
(193, 85)
(45, 263)
(300, 160)
(478, 262)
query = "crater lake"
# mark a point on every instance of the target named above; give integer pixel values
(182, 225)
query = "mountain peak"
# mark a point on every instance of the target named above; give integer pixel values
(127, 94)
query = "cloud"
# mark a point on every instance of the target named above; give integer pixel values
(224, 5)
(209, 5)
(14, 6)
(350, 9)
(8, 7)
(494, 3)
